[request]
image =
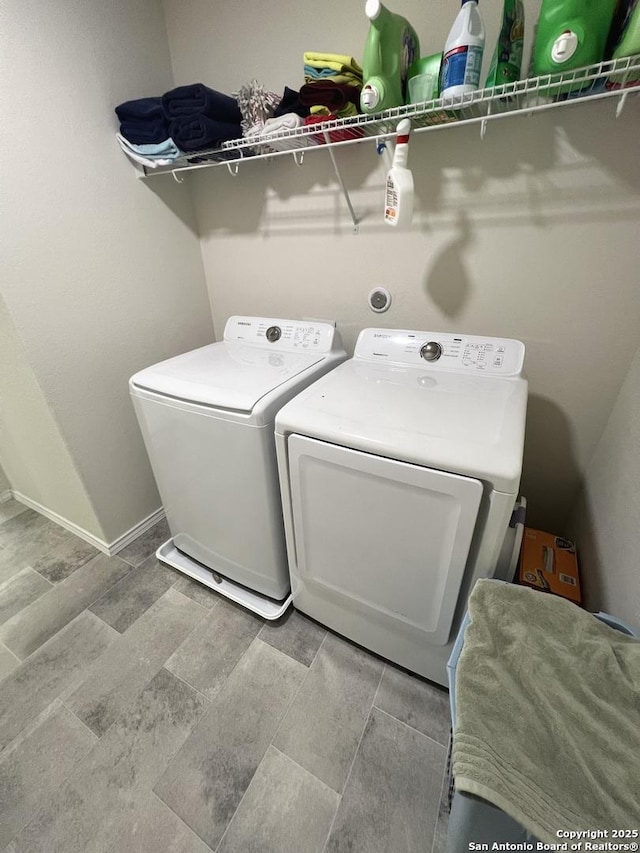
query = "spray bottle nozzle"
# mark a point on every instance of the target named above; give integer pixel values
(402, 131)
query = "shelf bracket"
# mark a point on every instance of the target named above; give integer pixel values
(621, 104)
(298, 157)
(176, 178)
(483, 123)
(233, 168)
(345, 192)
(139, 169)
(382, 150)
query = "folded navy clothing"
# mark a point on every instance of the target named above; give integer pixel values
(142, 121)
(141, 109)
(192, 133)
(198, 99)
(145, 132)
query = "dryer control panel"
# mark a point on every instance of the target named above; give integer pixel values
(283, 335)
(442, 351)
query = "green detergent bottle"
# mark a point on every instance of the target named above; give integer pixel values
(571, 34)
(627, 39)
(391, 46)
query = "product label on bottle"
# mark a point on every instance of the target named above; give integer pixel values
(461, 66)
(391, 200)
(409, 52)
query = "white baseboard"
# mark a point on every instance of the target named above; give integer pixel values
(109, 548)
(6, 496)
(137, 530)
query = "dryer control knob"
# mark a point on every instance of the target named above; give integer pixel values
(431, 351)
(273, 334)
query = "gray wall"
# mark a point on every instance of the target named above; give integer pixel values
(104, 273)
(5, 485)
(605, 520)
(32, 449)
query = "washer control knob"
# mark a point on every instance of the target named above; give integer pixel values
(431, 351)
(273, 334)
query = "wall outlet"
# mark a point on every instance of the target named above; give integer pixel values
(379, 299)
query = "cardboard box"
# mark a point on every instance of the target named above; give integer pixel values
(549, 563)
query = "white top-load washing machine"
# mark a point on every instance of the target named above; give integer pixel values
(207, 419)
(399, 471)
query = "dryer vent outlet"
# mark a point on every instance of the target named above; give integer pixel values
(379, 299)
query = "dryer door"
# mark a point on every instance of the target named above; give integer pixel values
(390, 537)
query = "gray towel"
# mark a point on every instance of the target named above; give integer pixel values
(548, 713)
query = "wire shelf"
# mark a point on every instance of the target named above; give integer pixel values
(614, 78)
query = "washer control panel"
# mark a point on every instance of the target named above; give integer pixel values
(283, 335)
(442, 351)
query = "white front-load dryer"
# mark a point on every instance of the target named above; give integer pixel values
(207, 419)
(399, 471)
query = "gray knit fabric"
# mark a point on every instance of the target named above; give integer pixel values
(256, 104)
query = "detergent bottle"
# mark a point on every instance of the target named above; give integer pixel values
(627, 38)
(571, 34)
(506, 63)
(463, 52)
(391, 47)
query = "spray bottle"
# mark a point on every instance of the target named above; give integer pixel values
(398, 201)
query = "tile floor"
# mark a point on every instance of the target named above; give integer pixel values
(139, 711)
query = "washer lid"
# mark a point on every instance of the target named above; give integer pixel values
(450, 421)
(224, 375)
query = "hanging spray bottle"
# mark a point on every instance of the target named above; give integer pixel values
(398, 201)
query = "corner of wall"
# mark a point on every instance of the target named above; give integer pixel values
(34, 455)
(604, 521)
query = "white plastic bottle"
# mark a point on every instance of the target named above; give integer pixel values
(398, 197)
(463, 52)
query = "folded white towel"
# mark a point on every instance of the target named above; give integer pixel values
(259, 133)
(273, 126)
(288, 121)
